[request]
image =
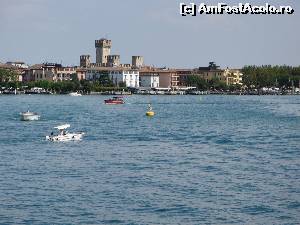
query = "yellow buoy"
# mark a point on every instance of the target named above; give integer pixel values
(150, 113)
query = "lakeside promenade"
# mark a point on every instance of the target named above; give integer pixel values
(169, 92)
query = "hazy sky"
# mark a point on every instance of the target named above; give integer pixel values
(36, 31)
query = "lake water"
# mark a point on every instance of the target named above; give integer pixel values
(199, 160)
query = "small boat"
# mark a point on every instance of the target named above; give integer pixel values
(64, 135)
(150, 112)
(29, 116)
(114, 101)
(37, 90)
(75, 94)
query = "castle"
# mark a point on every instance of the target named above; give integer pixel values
(105, 59)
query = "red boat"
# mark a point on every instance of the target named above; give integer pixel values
(114, 101)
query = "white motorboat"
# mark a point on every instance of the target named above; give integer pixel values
(64, 135)
(75, 94)
(29, 116)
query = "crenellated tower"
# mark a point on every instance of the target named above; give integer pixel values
(103, 47)
(113, 60)
(85, 61)
(137, 61)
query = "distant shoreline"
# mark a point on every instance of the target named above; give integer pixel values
(174, 93)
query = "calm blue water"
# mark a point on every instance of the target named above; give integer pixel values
(200, 160)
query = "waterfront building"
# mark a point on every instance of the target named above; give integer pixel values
(50, 72)
(183, 74)
(129, 76)
(96, 72)
(233, 76)
(64, 73)
(168, 78)
(177, 78)
(118, 75)
(149, 78)
(159, 77)
(44, 71)
(30, 73)
(81, 73)
(212, 72)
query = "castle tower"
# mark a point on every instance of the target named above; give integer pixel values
(85, 61)
(113, 60)
(102, 50)
(137, 61)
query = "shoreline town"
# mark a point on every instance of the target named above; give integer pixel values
(134, 78)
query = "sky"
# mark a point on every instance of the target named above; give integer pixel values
(36, 31)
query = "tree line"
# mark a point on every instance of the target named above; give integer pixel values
(271, 76)
(284, 77)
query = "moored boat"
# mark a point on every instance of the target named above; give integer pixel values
(75, 94)
(37, 90)
(114, 101)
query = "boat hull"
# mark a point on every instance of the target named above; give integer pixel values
(66, 137)
(113, 102)
(75, 94)
(30, 117)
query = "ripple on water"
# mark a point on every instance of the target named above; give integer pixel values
(257, 209)
(208, 160)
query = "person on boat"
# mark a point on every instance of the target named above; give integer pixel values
(149, 107)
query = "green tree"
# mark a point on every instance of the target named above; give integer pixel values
(197, 81)
(85, 86)
(105, 80)
(270, 76)
(122, 84)
(217, 84)
(7, 75)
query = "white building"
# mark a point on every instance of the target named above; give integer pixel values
(129, 76)
(149, 77)
(117, 74)
(149, 80)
